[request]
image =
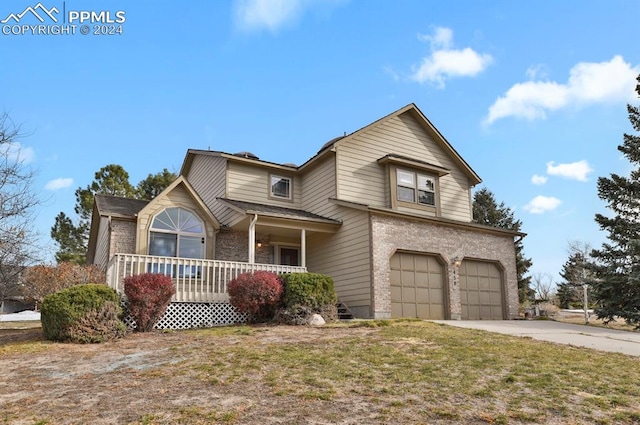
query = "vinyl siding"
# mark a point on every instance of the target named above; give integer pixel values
(318, 185)
(251, 184)
(101, 257)
(361, 179)
(207, 176)
(345, 256)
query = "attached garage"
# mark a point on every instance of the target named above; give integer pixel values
(481, 293)
(417, 286)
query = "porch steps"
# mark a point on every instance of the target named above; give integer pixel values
(343, 311)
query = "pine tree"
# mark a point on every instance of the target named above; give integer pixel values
(488, 212)
(112, 179)
(573, 275)
(617, 264)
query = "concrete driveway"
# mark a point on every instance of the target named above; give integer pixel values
(562, 333)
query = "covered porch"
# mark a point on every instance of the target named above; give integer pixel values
(196, 280)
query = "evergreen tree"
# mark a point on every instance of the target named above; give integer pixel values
(112, 179)
(617, 264)
(574, 275)
(487, 211)
(151, 187)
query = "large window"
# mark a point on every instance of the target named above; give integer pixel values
(177, 232)
(280, 187)
(415, 188)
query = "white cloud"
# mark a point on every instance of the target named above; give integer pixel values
(538, 180)
(589, 82)
(15, 152)
(575, 170)
(445, 63)
(60, 183)
(272, 15)
(541, 204)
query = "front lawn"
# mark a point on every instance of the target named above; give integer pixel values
(374, 372)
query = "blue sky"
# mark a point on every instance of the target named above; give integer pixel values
(532, 94)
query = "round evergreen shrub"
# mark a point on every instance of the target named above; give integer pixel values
(306, 294)
(257, 294)
(148, 296)
(85, 313)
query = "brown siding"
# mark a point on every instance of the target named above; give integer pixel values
(361, 179)
(101, 257)
(318, 185)
(207, 176)
(251, 184)
(345, 256)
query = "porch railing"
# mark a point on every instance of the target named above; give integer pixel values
(195, 280)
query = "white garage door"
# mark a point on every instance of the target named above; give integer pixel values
(417, 286)
(481, 295)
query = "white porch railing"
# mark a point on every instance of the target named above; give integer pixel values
(195, 280)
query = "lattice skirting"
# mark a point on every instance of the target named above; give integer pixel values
(195, 315)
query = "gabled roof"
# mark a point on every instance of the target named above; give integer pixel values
(412, 109)
(275, 211)
(329, 146)
(181, 180)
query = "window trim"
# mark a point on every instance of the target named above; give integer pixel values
(179, 233)
(394, 184)
(272, 195)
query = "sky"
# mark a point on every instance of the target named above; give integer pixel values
(532, 94)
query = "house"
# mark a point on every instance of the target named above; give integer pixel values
(386, 211)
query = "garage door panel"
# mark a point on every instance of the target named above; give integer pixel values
(409, 310)
(416, 286)
(396, 309)
(408, 278)
(422, 279)
(421, 263)
(481, 290)
(396, 293)
(422, 294)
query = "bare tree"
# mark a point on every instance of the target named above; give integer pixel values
(17, 203)
(543, 285)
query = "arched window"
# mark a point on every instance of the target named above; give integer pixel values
(177, 232)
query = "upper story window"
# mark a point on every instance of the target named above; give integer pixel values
(415, 187)
(280, 187)
(177, 232)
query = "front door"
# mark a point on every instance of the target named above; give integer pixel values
(289, 256)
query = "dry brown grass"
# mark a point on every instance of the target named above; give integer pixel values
(374, 372)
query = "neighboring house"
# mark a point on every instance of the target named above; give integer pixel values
(386, 211)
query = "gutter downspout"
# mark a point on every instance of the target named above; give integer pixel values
(252, 239)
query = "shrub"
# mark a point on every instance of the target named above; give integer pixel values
(42, 280)
(148, 296)
(256, 294)
(306, 294)
(82, 313)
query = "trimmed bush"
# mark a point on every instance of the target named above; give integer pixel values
(257, 294)
(306, 294)
(148, 296)
(85, 313)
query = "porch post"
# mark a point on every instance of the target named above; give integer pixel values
(303, 248)
(252, 239)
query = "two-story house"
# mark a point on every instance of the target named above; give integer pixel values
(386, 211)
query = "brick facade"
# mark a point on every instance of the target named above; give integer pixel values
(390, 234)
(232, 245)
(123, 237)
